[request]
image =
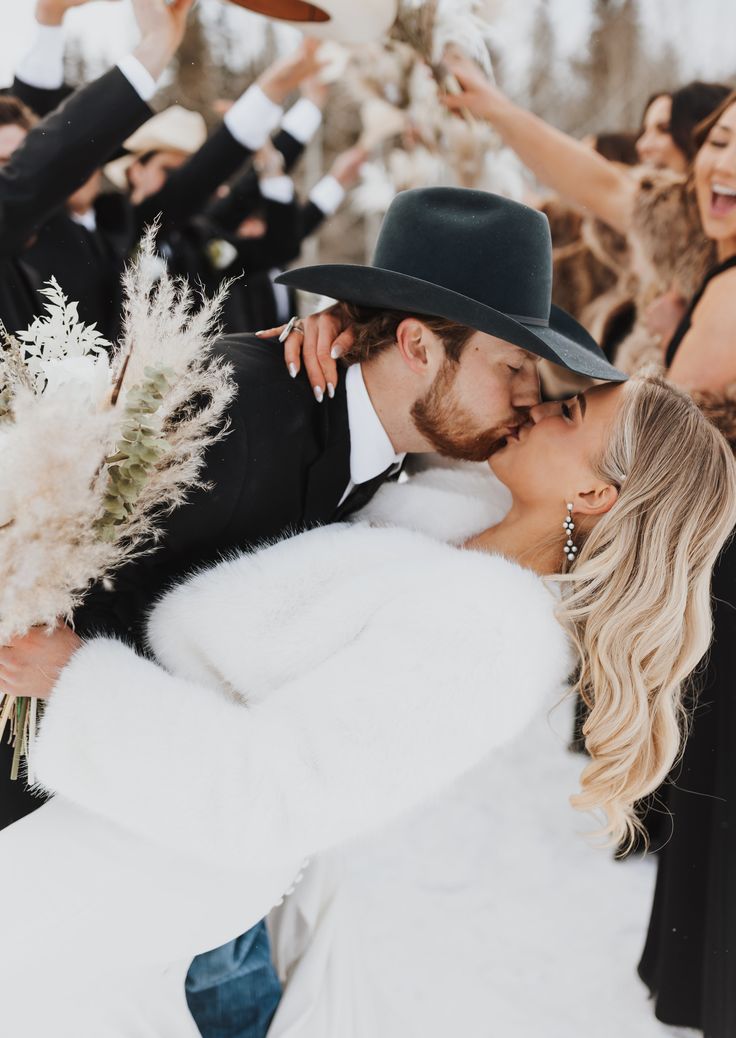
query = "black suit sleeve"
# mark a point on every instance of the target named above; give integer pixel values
(188, 189)
(291, 149)
(62, 151)
(281, 243)
(312, 218)
(41, 100)
(243, 197)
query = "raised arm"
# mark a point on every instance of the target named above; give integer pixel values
(393, 708)
(245, 129)
(558, 160)
(296, 129)
(65, 148)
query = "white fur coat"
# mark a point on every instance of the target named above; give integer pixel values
(313, 690)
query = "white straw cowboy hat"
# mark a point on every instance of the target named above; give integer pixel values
(174, 129)
(347, 21)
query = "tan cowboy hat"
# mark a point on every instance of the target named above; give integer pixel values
(174, 129)
(343, 20)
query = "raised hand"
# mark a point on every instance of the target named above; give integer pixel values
(31, 665)
(315, 90)
(346, 167)
(162, 27)
(318, 342)
(283, 77)
(477, 94)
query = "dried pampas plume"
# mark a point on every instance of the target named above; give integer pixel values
(94, 452)
(167, 346)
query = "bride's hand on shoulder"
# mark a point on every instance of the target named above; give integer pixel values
(30, 665)
(317, 341)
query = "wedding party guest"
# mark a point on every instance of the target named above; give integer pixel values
(169, 173)
(272, 230)
(63, 150)
(604, 188)
(257, 224)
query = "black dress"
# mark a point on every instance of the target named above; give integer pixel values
(689, 960)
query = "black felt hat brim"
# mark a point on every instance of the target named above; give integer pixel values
(564, 341)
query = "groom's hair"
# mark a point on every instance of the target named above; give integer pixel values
(375, 331)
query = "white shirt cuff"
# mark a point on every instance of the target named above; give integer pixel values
(327, 194)
(252, 118)
(139, 77)
(302, 120)
(277, 189)
(43, 65)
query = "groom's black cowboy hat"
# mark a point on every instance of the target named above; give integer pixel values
(471, 257)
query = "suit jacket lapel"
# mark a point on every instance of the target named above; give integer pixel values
(329, 475)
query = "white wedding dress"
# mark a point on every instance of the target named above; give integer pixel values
(314, 694)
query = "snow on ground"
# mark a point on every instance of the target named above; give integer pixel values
(489, 915)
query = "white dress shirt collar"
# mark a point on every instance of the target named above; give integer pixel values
(87, 219)
(371, 451)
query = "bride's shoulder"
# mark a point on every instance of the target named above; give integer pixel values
(448, 501)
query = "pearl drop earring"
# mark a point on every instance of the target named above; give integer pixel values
(568, 526)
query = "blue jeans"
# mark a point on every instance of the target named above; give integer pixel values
(233, 991)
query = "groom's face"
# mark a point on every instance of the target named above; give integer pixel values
(475, 403)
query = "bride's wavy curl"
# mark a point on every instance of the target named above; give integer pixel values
(637, 598)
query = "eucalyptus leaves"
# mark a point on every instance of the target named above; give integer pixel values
(97, 444)
(141, 446)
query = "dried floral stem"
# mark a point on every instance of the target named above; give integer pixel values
(80, 498)
(21, 736)
(7, 709)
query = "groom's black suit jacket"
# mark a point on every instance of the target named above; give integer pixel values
(283, 467)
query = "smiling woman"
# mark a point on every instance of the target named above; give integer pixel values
(715, 178)
(701, 355)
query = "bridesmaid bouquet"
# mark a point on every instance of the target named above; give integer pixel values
(430, 27)
(97, 445)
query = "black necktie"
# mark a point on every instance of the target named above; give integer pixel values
(361, 494)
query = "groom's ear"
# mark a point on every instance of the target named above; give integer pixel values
(596, 501)
(419, 347)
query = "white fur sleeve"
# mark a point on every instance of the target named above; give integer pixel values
(422, 693)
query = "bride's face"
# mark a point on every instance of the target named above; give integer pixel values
(552, 461)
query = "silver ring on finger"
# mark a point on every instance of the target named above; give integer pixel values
(294, 325)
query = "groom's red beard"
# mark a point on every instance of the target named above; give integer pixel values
(449, 428)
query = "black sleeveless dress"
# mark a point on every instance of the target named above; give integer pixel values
(689, 960)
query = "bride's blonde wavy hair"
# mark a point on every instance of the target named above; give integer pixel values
(637, 598)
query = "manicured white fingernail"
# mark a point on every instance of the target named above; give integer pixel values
(292, 370)
(330, 390)
(336, 353)
(318, 394)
